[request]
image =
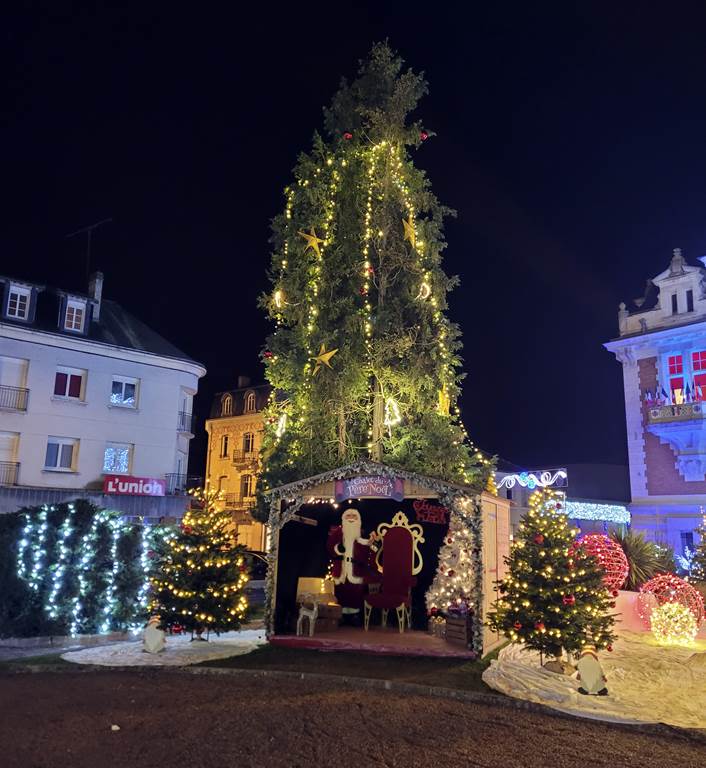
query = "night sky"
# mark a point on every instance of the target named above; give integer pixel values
(571, 141)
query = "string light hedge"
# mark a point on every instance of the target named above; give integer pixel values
(669, 588)
(73, 568)
(202, 574)
(673, 624)
(610, 556)
(363, 361)
(553, 598)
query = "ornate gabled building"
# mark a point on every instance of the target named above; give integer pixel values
(235, 429)
(662, 348)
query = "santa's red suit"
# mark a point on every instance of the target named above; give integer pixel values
(353, 561)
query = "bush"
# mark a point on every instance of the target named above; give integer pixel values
(645, 558)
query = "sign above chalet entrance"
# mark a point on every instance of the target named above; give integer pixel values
(370, 487)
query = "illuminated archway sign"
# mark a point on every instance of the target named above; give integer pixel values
(609, 513)
(530, 480)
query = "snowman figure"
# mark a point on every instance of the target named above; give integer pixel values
(590, 673)
(153, 637)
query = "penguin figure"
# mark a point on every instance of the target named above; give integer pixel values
(153, 638)
(590, 673)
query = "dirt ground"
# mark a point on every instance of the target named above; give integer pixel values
(64, 719)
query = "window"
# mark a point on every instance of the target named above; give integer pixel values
(674, 304)
(224, 446)
(226, 405)
(248, 442)
(124, 392)
(687, 541)
(247, 486)
(61, 454)
(68, 383)
(676, 378)
(250, 402)
(689, 301)
(117, 458)
(18, 302)
(698, 365)
(75, 315)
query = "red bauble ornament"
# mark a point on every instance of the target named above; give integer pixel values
(615, 593)
(242, 569)
(558, 505)
(267, 355)
(568, 599)
(610, 557)
(669, 588)
(609, 648)
(539, 539)
(517, 625)
(347, 135)
(451, 572)
(539, 626)
(449, 540)
(363, 291)
(612, 605)
(186, 528)
(434, 611)
(423, 135)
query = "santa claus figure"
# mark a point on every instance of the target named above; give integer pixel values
(353, 561)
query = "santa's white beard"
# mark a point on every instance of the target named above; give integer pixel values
(351, 534)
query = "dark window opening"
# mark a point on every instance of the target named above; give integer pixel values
(689, 301)
(674, 303)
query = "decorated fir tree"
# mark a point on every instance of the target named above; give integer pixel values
(455, 575)
(553, 598)
(698, 569)
(202, 575)
(363, 361)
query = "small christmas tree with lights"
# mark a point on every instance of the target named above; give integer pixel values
(553, 598)
(698, 567)
(202, 575)
(450, 591)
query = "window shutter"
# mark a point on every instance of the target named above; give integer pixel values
(60, 384)
(74, 386)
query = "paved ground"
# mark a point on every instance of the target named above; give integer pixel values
(64, 719)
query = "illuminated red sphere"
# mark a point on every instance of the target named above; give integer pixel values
(669, 588)
(610, 556)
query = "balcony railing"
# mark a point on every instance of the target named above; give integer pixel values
(684, 412)
(236, 501)
(244, 457)
(13, 398)
(185, 422)
(179, 485)
(9, 472)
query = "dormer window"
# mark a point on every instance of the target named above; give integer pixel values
(227, 405)
(75, 315)
(18, 302)
(249, 402)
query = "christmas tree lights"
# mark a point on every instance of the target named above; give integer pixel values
(553, 597)
(453, 584)
(357, 268)
(202, 575)
(673, 624)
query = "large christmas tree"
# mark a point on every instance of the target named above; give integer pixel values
(202, 575)
(363, 360)
(553, 597)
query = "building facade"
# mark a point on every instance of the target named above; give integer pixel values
(235, 430)
(90, 397)
(662, 349)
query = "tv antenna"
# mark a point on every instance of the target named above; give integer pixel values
(89, 232)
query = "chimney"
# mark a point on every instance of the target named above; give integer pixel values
(243, 381)
(95, 291)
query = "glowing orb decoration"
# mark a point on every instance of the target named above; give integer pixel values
(610, 556)
(673, 624)
(669, 588)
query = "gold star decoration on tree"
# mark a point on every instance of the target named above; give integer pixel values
(409, 233)
(312, 241)
(323, 358)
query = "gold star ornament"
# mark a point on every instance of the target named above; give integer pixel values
(312, 241)
(323, 358)
(409, 233)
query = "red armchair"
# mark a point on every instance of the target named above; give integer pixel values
(397, 578)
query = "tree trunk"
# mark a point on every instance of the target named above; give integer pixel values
(341, 432)
(378, 418)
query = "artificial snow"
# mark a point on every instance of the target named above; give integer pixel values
(647, 682)
(179, 651)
